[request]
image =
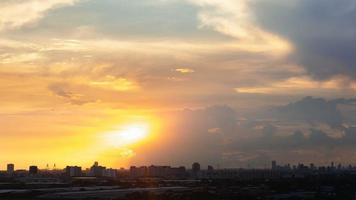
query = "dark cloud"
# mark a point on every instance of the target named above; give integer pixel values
(313, 145)
(314, 139)
(323, 32)
(312, 110)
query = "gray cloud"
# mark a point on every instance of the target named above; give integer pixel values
(312, 110)
(323, 32)
(314, 139)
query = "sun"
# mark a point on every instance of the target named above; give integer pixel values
(128, 134)
(134, 133)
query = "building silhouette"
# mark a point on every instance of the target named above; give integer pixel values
(196, 167)
(10, 168)
(157, 171)
(196, 170)
(274, 165)
(210, 168)
(73, 171)
(97, 170)
(33, 170)
(136, 172)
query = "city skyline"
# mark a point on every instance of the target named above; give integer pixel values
(273, 165)
(229, 83)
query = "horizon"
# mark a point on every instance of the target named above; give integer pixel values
(269, 167)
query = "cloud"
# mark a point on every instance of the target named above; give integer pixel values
(18, 13)
(230, 17)
(333, 112)
(130, 65)
(312, 145)
(309, 109)
(307, 31)
(312, 139)
(322, 32)
(236, 19)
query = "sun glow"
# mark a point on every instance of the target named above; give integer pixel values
(128, 135)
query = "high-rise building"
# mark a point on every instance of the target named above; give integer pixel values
(33, 170)
(10, 168)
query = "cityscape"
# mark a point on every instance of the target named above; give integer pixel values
(165, 182)
(177, 99)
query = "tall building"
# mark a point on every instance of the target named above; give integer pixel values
(33, 170)
(10, 168)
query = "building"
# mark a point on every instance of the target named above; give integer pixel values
(166, 171)
(110, 173)
(196, 167)
(210, 168)
(97, 170)
(136, 172)
(178, 172)
(73, 171)
(274, 165)
(10, 168)
(157, 171)
(33, 170)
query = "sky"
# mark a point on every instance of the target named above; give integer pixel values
(228, 83)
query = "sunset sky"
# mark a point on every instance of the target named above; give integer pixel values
(139, 82)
